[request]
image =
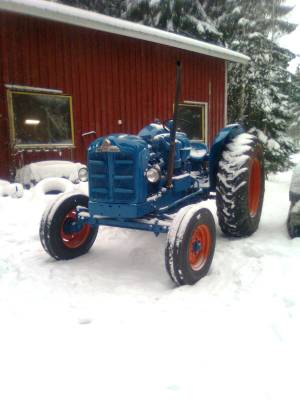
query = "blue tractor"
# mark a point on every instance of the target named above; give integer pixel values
(147, 181)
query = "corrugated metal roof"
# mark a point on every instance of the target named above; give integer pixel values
(88, 19)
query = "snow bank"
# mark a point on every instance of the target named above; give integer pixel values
(4, 187)
(35, 172)
(14, 190)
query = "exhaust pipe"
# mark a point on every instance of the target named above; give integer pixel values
(171, 159)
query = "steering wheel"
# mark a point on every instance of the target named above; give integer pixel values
(188, 124)
(164, 124)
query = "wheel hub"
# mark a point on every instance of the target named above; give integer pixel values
(73, 233)
(199, 247)
(71, 226)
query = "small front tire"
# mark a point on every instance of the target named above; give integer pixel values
(190, 245)
(60, 233)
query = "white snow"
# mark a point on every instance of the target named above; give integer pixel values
(235, 158)
(197, 152)
(4, 187)
(111, 325)
(262, 137)
(273, 145)
(270, 143)
(156, 126)
(296, 208)
(37, 171)
(243, 21)
(47, 185)
(14, 190)
(180, 177)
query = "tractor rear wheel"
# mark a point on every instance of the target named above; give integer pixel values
(190, 245)
(61, 234)
(240, 186)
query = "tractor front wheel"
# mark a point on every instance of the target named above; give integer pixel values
(190, 245)
(61, 234)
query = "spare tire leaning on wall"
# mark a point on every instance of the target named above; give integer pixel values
(53, 186)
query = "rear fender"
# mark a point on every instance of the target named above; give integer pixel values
(222, 138)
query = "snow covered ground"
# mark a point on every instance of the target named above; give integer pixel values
(111, 325)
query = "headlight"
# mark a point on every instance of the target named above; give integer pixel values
(83, 174)
(153, 174)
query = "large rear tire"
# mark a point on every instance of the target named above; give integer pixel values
(190, 245)
(60, 233)
(240, 186)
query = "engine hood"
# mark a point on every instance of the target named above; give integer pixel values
(117, 143)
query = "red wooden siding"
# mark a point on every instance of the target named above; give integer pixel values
(110, 77)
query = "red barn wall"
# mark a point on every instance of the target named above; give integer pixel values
(110, 78)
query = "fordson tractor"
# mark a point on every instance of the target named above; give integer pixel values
(154, 182)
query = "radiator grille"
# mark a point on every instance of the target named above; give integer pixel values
(111, 177)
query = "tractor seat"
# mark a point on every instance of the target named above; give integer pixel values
(198, 150)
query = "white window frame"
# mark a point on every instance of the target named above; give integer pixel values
(204, 105)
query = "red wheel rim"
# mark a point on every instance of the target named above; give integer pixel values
(254, 187)
(72, 240)
(199, 247)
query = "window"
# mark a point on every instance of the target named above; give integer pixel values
(40, 120)
(192, 119)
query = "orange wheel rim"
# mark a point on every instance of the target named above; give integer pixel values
(199, 247)
(75, 239)
(254, 187)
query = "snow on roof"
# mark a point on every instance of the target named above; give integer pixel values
(88, 19)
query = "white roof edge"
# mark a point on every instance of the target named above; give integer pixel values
(88, 19)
